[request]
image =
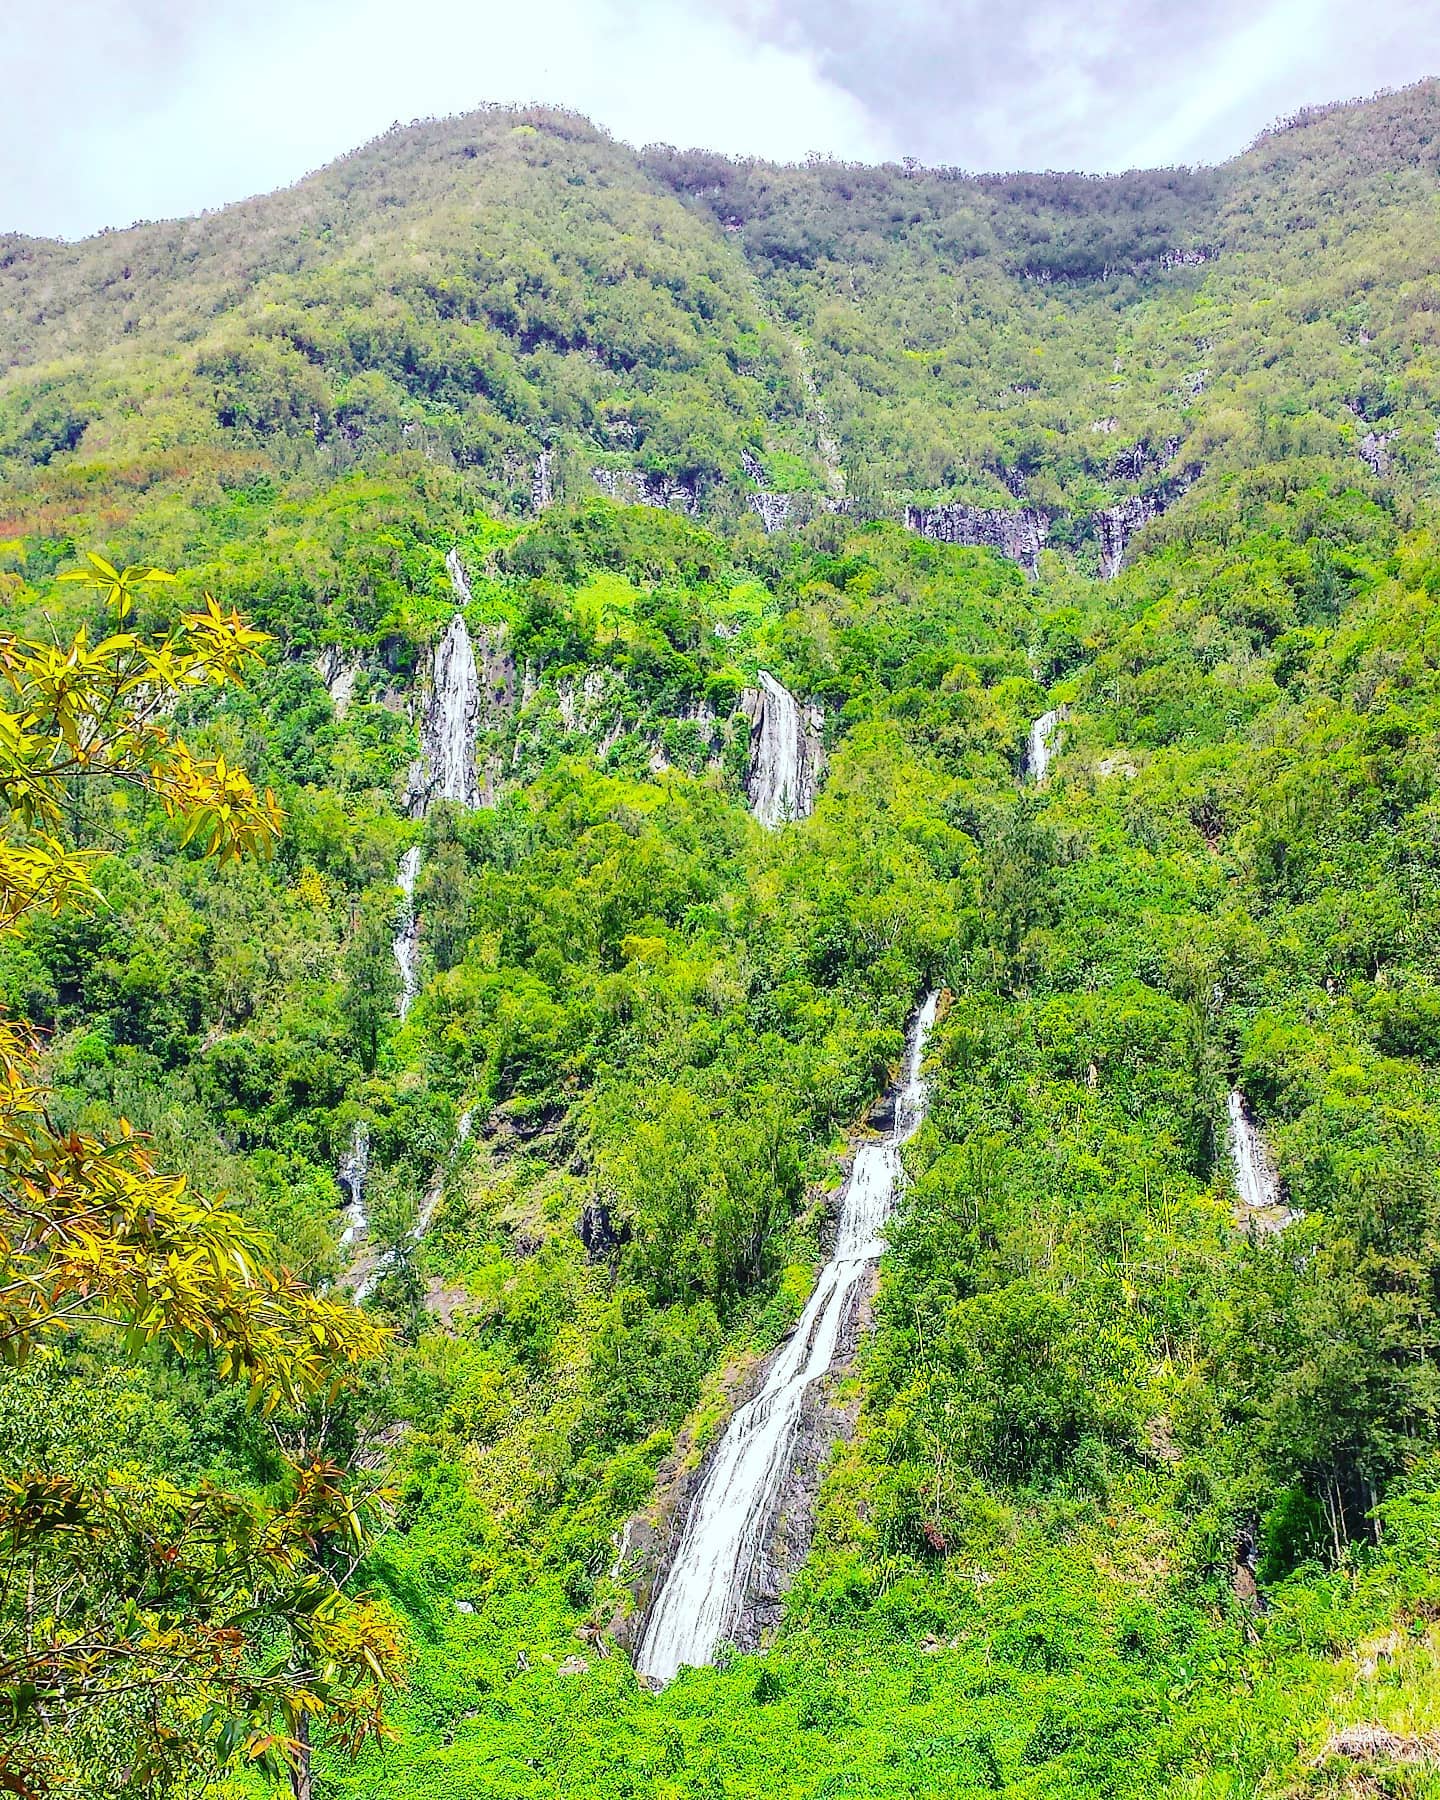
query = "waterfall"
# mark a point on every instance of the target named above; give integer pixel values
(1042, 745)
(1257, 1186)
(459, 580)
(351, 1175)
(407, 938)
(704, 1590)
(446, 769)
(448, 730)
(542, 483)
(429, 1205)
(781, 785)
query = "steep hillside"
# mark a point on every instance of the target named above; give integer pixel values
(519, 300)
(622, 843)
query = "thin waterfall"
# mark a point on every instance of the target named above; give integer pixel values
(351, 1175)
(407, 936)
(704, 1590)
(429, 1205)
(446, 770)
(459, 580)
(1042, 744)
(1257, 1186)
(777, 787)
(452, 719)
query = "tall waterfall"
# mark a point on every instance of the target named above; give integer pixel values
(1042, 744)
(778, 787)
(353, 1170)
(446, 769)
(448, 730)
(1257, 1186)
(724, 1534)
(407, 937)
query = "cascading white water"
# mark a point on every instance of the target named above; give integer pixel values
(407, 938)
(351, 1174)
(459, 580)
(446, 770)
(704, 1590)
(1040, 751)
(1257, 1186)
(452, 719)
(776, 790)
(428, 1208)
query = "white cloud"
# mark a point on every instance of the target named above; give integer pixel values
(1097, 84)
(1292, 53)
(117, 109)
(258, 97)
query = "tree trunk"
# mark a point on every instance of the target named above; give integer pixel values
(301, 1785)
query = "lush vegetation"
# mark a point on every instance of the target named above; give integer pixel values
(147, 1629)
(1138, 1500)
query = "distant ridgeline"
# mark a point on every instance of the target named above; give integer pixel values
(521, 305)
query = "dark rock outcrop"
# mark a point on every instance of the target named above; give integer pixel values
(1117, 526)
(598, 1231)
(1375, 451)
(1018, 533)
(634, 487)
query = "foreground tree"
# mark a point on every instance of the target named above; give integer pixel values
(158, 1630)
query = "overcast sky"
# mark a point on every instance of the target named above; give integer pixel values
(115, 110)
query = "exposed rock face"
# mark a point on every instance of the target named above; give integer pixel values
(1375, 451)
(598, 1232)
(1017, 533)
(497, 674)
(774, 510)
(587, 703)
(600, 708)
(787, 752)
(1137, 460)
(1116, 526)
(633, 487)
(339, 677)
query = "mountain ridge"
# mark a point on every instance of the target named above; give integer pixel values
(664, 337)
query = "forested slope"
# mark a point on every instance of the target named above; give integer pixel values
(487, 289)
(1134, 1496)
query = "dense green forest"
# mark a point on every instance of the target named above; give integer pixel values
(1133, 1495)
